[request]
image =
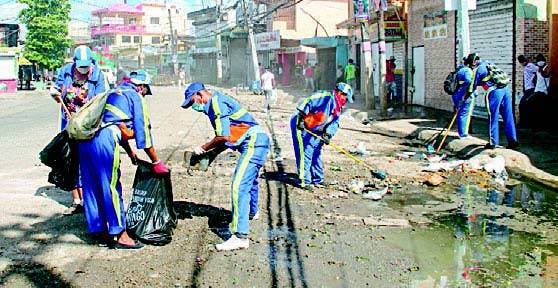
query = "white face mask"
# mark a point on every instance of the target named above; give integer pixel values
(83, 70)
(540, 63)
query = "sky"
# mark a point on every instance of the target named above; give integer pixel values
(81, 9)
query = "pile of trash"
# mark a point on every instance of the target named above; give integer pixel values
(368, 190)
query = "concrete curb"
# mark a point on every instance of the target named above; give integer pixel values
(516, 162)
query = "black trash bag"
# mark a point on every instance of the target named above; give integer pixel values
(61, 155)
(150, 217)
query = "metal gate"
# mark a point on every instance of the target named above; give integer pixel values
(418, 76)
(491, 32)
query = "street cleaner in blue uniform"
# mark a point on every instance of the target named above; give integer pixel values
(498, 99)
(464, 100)
(125, 117)
(236, 129)
(77, 83)
(319, 113)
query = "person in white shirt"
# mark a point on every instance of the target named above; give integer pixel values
(181, 77)
(529, 79)
(543, 76)
(268, 83)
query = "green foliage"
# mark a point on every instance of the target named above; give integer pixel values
(47, 37)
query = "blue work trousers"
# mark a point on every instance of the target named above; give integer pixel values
(308, 155)
(102, 192)
(464, 110)
(244, 191)
(498, 101)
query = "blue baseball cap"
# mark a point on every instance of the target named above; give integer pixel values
(141, 77)
(82, 56)
(345, 89)
(192, 89)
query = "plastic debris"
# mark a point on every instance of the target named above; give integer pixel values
(375, 194)
(435, 158)
(443, 166)
(430, 149)
(356, 186)
(361, 149)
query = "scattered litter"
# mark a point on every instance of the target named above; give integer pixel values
(361, 149)
(335, 168)
(402, 155)
(409, 153)
(356, 186)
(434, 180)
(430, 149)
(375, 194)
(443, 166)
(435, 158)
(496, 166)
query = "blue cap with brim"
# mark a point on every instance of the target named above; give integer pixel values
(141, 77)
(82, 56)
(189, 93)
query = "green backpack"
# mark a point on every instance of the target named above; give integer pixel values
(87, 121)
(497, 75)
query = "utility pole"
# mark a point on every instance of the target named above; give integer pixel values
(218, 42)
(253, 46)
(366, 71)
(463, 16)
(173, 44)
(382, 55)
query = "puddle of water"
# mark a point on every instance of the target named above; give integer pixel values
(484, 241)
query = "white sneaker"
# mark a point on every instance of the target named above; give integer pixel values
(233, 243)
(256, 216)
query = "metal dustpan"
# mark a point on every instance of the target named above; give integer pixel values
(203, 161)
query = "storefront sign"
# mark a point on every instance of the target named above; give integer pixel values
(435, 25)
(268, 41)
(394, 30)
(360, 8)
(291, 50)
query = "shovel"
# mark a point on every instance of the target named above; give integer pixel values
(375, 173)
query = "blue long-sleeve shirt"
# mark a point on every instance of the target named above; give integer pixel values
(464, 79)
(228, 118)
(125, 105)
(319, 110)
(96, 82)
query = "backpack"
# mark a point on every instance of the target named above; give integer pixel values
(87, 121)
(497, 75)
(450, 84)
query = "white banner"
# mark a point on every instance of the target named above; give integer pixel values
(268, 41)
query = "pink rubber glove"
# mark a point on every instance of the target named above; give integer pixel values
(160, 168)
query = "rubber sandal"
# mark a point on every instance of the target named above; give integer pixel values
(136, 246)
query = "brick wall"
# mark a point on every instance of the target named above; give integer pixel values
(439, 54)
(535, 38)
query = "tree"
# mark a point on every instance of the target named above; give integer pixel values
(47, 37)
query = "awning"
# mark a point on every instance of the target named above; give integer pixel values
(323, 42)
(22, 61)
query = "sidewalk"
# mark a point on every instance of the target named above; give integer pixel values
(536, 159)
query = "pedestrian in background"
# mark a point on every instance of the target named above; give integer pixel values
(390, 80)
(350, 77)
(529, 79)
(76, 84)
(236, 129)
(181, 77)
(268, 85)
(125, 117)
(309, 78)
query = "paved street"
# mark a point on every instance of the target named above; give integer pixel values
(462, 232)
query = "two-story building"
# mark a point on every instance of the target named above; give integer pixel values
(140, 36)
